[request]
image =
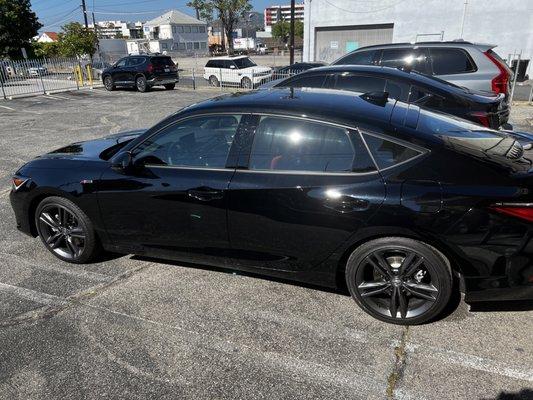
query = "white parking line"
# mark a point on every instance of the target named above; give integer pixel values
(38, 297)
(8, 108)
(57, 97)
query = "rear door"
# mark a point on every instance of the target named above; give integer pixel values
(301, 190)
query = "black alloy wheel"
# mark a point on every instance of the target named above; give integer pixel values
(66, 231)
(108, 83)
(399, 280)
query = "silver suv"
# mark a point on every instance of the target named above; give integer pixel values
(471, 65)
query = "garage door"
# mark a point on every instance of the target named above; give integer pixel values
(333, 42)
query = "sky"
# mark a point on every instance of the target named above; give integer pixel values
(55, 13)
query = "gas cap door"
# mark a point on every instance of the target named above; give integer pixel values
(422, 196)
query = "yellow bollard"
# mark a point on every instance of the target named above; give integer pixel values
(79, 75)
(89, 75)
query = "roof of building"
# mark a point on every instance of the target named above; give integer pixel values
(175, 17)
(52, 35)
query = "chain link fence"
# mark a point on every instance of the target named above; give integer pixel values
(44, 76)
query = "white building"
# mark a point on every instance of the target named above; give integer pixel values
(118, 29)
(176, 31)
(48, 37)
(335, 27)
(278, 13)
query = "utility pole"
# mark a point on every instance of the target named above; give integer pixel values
(84, 8)
(463, 20)
(291, 46)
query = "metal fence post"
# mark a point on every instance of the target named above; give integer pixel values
(193, 80)
(530, 99)
(253, 80)
(2, 84)
(40, 75)
(515, 76)
(220, 75)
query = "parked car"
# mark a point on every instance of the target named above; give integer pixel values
(296, 68)
(400, 204)
(98, 68)
(236, 70)
(36, 69)
(486, 108)
(141, 72)
(472, 65)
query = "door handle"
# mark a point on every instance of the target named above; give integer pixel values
(205, 193)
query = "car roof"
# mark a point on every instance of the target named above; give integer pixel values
(450, 43)
(227, 58)
(335, 106)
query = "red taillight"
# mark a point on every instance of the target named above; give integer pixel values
(150, 68)
(520, 211)
(500, 84)
(482, 117)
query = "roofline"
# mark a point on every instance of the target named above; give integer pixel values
(447, 42)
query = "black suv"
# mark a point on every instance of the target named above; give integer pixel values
(141, 72)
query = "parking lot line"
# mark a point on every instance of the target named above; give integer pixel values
(37, 297)
(8, 108)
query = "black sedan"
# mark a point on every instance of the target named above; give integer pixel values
(486, 108)
(401, 205)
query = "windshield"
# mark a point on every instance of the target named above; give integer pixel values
(244, 63)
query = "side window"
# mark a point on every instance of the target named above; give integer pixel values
(397, 90)
(294, 145)
(405, 57)
(368, 57)
(424, 97)
(450, 61)
(312, 81)
(388, 153)
(202, 142)
(122, 62)
(359, 83)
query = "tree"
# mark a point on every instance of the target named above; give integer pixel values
(18, 24)
(76, 40)
(282, 30)
(229, 12)
(46, 49)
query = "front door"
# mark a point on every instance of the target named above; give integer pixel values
(305, 189)
(173, 201)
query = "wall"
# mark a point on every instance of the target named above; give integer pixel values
(508, 24)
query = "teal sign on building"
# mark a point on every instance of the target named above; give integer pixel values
(351, 46)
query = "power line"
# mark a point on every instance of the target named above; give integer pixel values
(62, 19)
(128, 13)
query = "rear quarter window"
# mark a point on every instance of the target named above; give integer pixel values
(451, 61)
(388, 153)
(162, 61)
(359, 83)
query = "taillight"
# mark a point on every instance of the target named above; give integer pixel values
(500, 84)
(482, 117)
(150, 68)
(522, 211)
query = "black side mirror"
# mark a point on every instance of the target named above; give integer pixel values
(377, 98)
(122, 162)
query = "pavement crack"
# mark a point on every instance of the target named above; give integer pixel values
(399, 364)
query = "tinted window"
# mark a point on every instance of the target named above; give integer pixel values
(405, 57)
(121, 62)
(368, 57)
(244, 63)
(312, 81)
(196, 142)
(359, 83)
(388, 153)
(424, 97)
(397, 90)
(162, 61)
(450, 61)
(296, 145)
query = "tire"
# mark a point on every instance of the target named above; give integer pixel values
(170, 86)
(108, 83)
(376, 274)
(141, 85)
(66, 231)
(246, 83)
(213, 81)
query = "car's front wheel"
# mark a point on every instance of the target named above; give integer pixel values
(108, 83)
(66, 231)
(246, 83)
(213, 81)
(399, 280)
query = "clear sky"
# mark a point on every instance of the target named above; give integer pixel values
(54, 13)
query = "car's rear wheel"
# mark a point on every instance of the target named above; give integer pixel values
(170, 86)
(141, 84)
(399, 280)
(66, 231)
(108, 83)
(246, 83)
(213, 81)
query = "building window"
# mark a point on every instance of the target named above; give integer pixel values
(194, 29)
(164, 46)
(189, 45)
(174, 29)
(187, 29)
(180, 29)
(201, 29)
(181, 46)
(203, 45)
(196, 45)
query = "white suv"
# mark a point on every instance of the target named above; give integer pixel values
(238, 70)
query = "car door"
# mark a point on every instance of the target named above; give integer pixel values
(172, 200)
(118, 71)
(302, 189)
(131, 68)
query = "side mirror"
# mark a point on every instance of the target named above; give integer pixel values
(232, 66)
(122, 162)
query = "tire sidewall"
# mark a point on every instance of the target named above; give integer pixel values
(91, 246)
(437, 265)
(143, 88)
(111, 86)
(246, 83)
(213, 80)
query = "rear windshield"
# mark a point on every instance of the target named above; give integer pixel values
(244, 63)
(162, 61)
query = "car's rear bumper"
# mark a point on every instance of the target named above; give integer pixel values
(163, 80)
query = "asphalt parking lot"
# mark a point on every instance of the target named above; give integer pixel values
(139, 328)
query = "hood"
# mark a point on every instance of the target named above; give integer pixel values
(256, 70)
(97, 149)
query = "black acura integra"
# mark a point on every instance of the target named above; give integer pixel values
(399, 204)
